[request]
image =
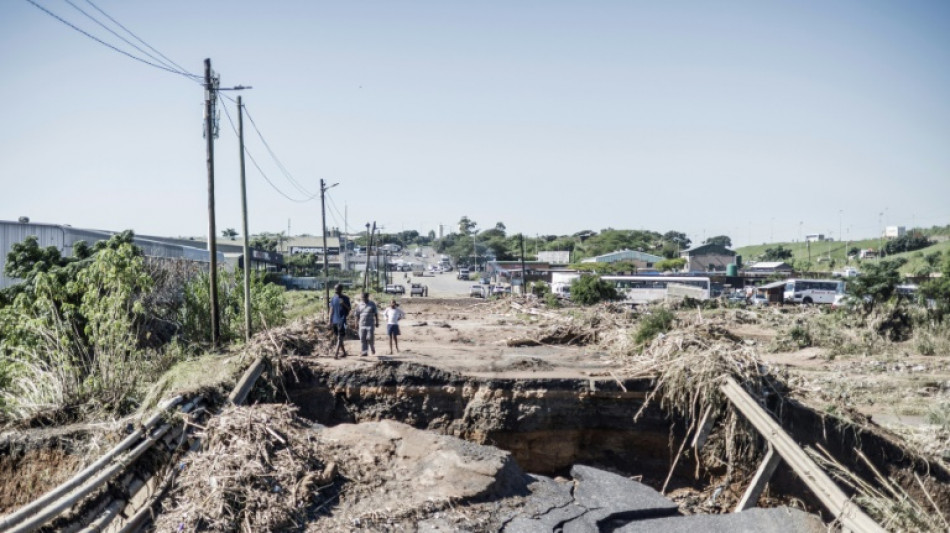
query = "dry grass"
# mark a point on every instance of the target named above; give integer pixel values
(259, 470)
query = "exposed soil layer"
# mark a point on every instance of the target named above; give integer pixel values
(33, 462)
(547, 424)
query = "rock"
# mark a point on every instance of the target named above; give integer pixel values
(618, 497)
(774, 520)
(404, 468)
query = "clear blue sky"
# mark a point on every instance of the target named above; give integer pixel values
(753, 119)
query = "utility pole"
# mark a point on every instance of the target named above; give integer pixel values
(369, 246)
(326, 263)
(210, 96)
(524, 287)
(247, 245)
(377, 238)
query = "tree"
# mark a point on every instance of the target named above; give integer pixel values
(500, 226)
(466, 225)
(907, 243)
(937, 290)
(721, 240)
(876, 284)
(779, 253)
(667, 265)
(231, 233)
(588, 290)
(678, 239)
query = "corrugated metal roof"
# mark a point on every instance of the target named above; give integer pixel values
(621, 255)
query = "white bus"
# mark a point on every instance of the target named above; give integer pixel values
(639, 290)
(813, 291)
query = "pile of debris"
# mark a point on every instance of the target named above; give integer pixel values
(258, 470)
(306, 336)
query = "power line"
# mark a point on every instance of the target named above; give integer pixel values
(123, 39)
(139, 39)
(193, 77)
(337, 209)
(254, 161)
(280, 165)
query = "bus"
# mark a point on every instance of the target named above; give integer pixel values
(813, 291)
(639, 290)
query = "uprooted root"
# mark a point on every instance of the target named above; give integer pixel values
(258, 471)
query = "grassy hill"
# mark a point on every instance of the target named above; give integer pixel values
(824, 254)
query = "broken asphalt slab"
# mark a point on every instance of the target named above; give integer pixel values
(773, 520)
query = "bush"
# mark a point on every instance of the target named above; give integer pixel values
(657, 322)
(588, 290)
(72, 335)
(267, 305)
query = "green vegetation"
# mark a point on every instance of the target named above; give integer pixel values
(668, 265)
(589, 290)
(831, 255)
(88, 332)
(659, 321)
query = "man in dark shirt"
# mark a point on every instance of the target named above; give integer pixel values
(339, 310)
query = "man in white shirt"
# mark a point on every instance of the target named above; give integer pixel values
(393, 315)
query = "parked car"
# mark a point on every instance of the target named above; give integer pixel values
(484, 280)
(418, 289)
(500, 290)
(758, 299)
(477, 291)
(394, 289)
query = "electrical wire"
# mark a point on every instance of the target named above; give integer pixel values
(123, 39)
(193, 77)
(254, 161)
(139, 39)
(280, 165)
(333, 207)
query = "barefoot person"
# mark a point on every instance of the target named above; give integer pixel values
(368, 320)
(393, 315)
(339, 310)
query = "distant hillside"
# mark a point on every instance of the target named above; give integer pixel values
(825, 254)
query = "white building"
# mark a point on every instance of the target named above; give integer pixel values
(893, 232)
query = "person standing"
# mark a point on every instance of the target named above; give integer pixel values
(368, 321)
(393, 315)
(339, 311)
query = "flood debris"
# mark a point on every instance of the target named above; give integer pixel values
(258, 470)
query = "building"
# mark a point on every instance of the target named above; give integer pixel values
(64, 237)
(893, 232)
(641, 260)
(769, 267)
(815, 237)
(708, 258)
(555, 258)
(506, 271)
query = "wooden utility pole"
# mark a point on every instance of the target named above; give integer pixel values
(369, 247)
(210, 96)
(326, 267)
(524, 281)
(247, 241)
